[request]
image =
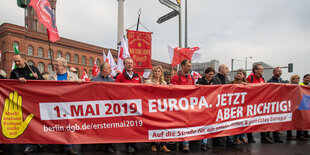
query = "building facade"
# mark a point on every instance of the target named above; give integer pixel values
(35, 46)
(200, 67)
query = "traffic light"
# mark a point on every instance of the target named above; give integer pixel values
(23, 3)
(290, 67)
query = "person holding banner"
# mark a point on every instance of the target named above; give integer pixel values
(62, 74)
(157, 77)
(276, 78)
(23, 70)
(219, 79)
(167, 76)
(303, 135)
(206, 80)
(183, 77)
(257, 77)
(128, 76)
(240, 79)
(105, 71)
(294, 80)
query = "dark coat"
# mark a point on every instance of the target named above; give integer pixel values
(276, 80)
(217, 80)
(26, 73)
(203, 81)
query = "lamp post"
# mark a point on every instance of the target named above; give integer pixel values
(246, 62)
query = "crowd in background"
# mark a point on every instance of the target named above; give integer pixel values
(158, 76)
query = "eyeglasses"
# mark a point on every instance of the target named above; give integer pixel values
(74, 71)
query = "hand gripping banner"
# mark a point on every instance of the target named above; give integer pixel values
(51, 112)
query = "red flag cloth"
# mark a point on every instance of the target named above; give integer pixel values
(46, 17)
(95, 71)
(178, 54)
(196, 75)
(140, 48)
(84, 76)
(70, 113)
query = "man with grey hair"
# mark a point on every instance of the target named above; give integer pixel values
(219, 79)
(62, 74)
(221, 76)
(105, 71)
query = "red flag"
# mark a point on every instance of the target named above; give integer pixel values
(95, 71)
(178, 54)
(196, 75)
(84, 76)
(46, 17)
(122, 54)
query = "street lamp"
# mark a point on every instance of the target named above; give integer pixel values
(246, 62)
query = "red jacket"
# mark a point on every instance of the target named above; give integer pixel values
(124, 78)
(252, 78)
(180, 79)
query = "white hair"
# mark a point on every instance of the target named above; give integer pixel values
(62, 60)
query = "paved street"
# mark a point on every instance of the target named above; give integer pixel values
(288, 147)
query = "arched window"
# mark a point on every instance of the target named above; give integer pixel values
(50, 68)
(40, 52)
(41, 67)
(68, 57)
(98, 62)
(83, 60)
(30, 50)
(16, 45)
(30, 62)
(59, 54)
(91, 61)
(50, 54)
(76, 58)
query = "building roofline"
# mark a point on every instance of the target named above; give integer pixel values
(63, 41)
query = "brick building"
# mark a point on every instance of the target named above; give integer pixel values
(34, 45)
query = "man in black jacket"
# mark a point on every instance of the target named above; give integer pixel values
(219, 79)
(276, 78)
(221, 76)
(24, 71)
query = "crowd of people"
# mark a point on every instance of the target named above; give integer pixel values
(158, 76)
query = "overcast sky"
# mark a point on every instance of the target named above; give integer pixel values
(276, 32)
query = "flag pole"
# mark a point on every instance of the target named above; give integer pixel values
(49, 49)
(29, 68)
(139, 14)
